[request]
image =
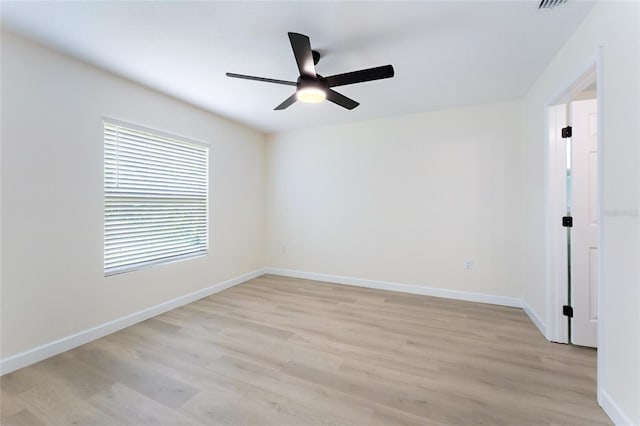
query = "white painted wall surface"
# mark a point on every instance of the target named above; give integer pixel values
(615, 26)
(405, 200)
(52, 197)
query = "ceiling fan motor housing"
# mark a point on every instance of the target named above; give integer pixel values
(309, 82)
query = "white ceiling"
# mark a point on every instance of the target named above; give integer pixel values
(445, 53)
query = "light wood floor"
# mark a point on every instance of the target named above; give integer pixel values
(281, 351)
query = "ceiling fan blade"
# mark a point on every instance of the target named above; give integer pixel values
(287, 102)
(304, 56)
(361, 76)
(341, 100)
(266, 80)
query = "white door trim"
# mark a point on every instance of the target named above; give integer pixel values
(585, 75)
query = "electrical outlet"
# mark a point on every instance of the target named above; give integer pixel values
(468, 264)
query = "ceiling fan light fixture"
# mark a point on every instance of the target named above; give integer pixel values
(311, 95)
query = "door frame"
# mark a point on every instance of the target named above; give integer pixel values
(555, 242)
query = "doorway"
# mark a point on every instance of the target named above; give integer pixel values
(573, 205)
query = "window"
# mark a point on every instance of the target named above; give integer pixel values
(155, 198)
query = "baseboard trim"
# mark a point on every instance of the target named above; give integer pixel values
(405, 288)
(615, 413)
(534, 318)
(40, 353)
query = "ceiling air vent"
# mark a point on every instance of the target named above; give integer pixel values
(549, 4)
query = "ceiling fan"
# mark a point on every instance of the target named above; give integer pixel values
(312, 87)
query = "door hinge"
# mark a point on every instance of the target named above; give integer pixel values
(566, 132)
(567, 311)
(567, 221)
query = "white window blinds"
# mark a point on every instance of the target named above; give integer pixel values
(155, 198)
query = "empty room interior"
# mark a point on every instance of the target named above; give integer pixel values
(309, 212)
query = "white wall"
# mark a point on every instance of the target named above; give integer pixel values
(615, 26)
(405, 200)
(52, 197)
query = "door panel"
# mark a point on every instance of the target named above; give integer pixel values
(584, 249)
(593, 179)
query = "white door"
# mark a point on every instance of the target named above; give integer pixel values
(584, 247)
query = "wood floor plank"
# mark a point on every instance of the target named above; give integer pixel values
(136, 375)
(52, 401)
(23, 417)
(10, 405)
(286, 351)
(129, 407)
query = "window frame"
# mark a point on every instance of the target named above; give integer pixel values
(162, 261)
